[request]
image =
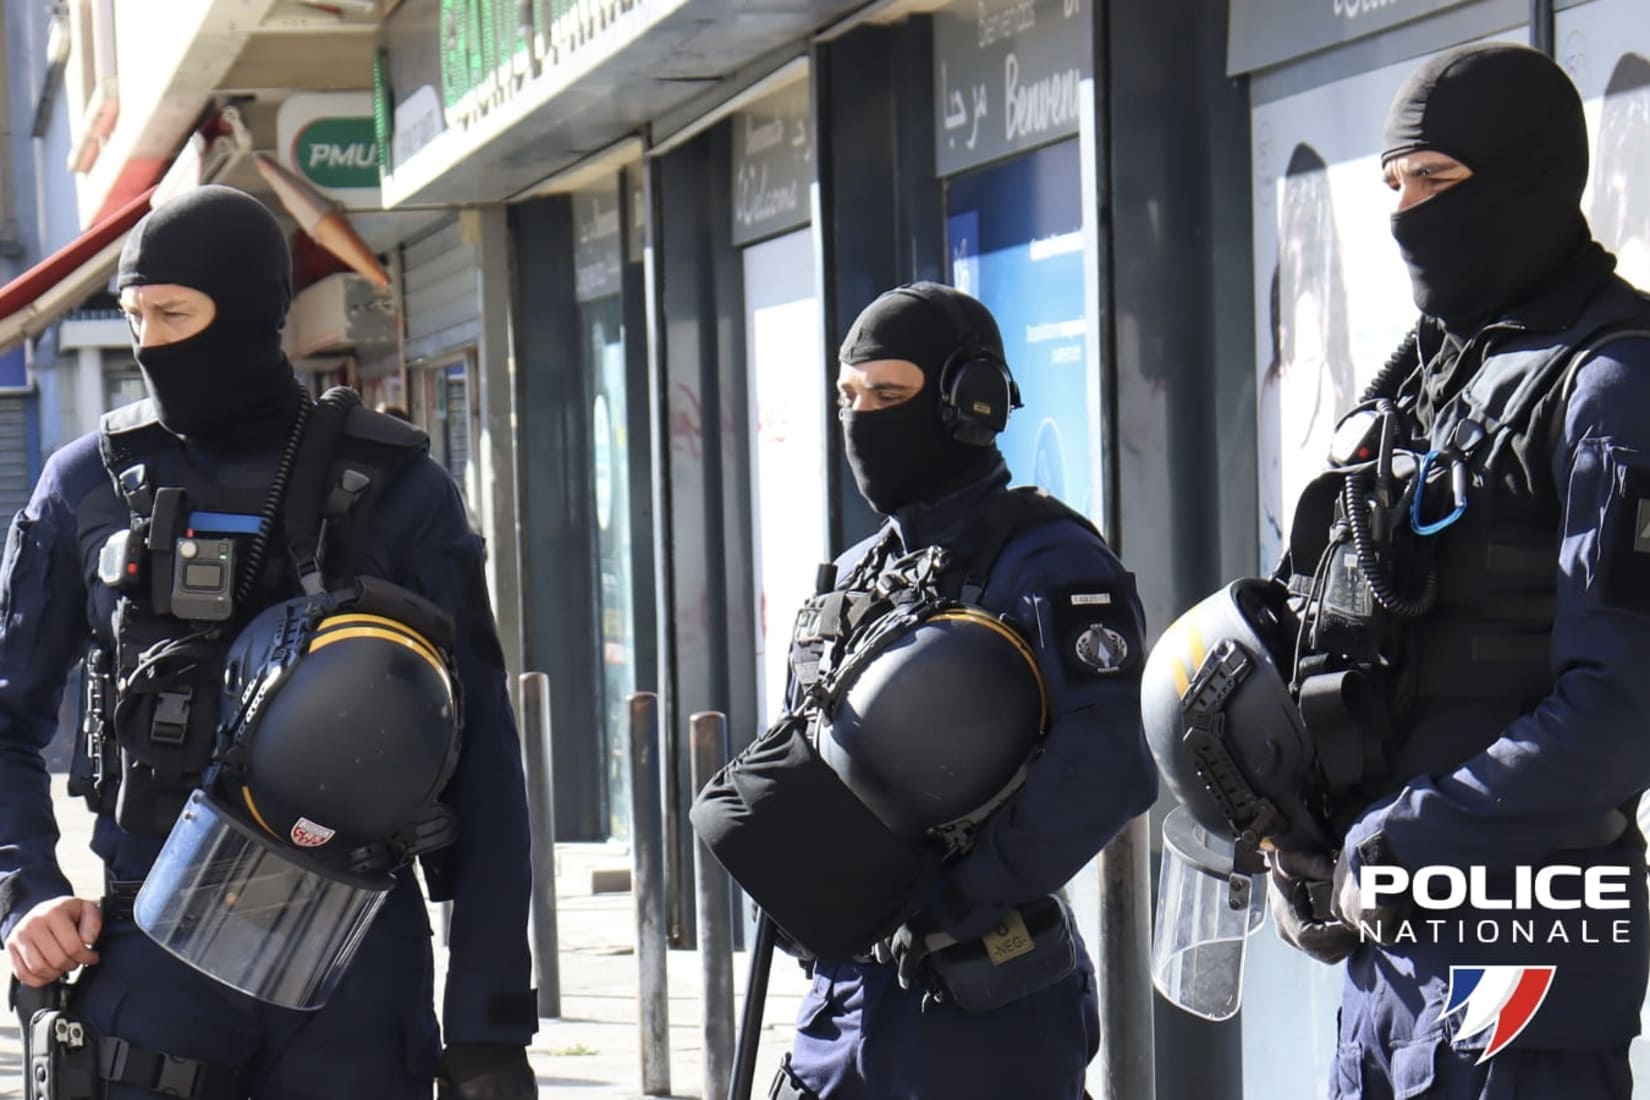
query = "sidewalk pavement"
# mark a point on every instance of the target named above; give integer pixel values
(595, 1047)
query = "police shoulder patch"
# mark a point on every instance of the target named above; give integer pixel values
(1102, 649)
(1625, 546)
(1094, 628)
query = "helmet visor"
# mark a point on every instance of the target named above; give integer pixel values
(238, 907)
(1200, 939)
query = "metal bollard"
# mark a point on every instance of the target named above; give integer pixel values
(1127, 1063)
(648, 885)
(710, 752)
(541, 815)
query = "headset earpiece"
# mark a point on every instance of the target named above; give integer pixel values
(977, 390)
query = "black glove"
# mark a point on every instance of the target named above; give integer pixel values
(1382, 923)
(907, 949)
(1296, 876)
(486, 1071)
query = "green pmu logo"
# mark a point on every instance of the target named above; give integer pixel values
(338, 152)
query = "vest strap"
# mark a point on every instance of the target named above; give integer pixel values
(311, 483)
(121, 1063)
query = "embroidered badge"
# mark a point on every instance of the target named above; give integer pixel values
(1102, 649)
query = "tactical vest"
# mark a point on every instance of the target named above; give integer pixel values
(786, 827)
(833, 615)
(195, 563)
(1486, 574)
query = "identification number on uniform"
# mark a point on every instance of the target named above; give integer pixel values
(1094, 625)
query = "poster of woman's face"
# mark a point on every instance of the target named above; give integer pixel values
(1331, 293)
(1605, 47)
(1308, 381)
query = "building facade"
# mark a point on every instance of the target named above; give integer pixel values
(624, 239)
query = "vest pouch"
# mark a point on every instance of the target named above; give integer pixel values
(165, 717)
(1029, 951)
(164, 748)
(806, 850)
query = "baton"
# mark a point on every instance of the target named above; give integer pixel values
(750, 1023)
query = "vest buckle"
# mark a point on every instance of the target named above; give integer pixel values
(171, 717)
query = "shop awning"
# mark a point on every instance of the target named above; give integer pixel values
(654, 58)
(30, 303)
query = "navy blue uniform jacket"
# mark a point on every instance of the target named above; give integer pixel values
(1582, 752)
(49, 596)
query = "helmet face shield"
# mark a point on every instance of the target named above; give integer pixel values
(339, 729)
(240, 907)
(1204, 919)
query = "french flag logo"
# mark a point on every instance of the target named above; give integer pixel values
(1503, 997)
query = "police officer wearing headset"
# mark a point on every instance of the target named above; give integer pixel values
(924, 390)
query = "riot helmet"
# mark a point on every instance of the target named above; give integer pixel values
(339, 730)
(933, 716)
(917, 730)
(1223, 725)
(1230, 743)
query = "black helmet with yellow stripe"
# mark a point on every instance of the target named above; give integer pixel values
(932, 718)
(340, 728)
(341, 723)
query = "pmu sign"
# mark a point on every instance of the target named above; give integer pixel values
(328, 138)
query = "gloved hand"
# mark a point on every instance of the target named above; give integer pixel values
(907, 949)
(486, 1071)
(1381, 923)
(1327, 940)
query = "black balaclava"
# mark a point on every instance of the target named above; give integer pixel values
(229, 386)
(905, 454)
(1511, 115)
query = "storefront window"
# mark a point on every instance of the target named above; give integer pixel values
(604, 363)
(1014, 236)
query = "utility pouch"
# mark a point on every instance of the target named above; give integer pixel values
(1029, 951)
(62, 1059)
(166, 718)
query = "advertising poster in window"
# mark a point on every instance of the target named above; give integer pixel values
(610, 450)
(1015, 241)
(1605, 47)
(1332, 295)
(789, 419)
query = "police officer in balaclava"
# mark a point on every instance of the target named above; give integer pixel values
(208, 319)
(924, 391)
(1503, 602)
(108, 563)
(899, 444)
